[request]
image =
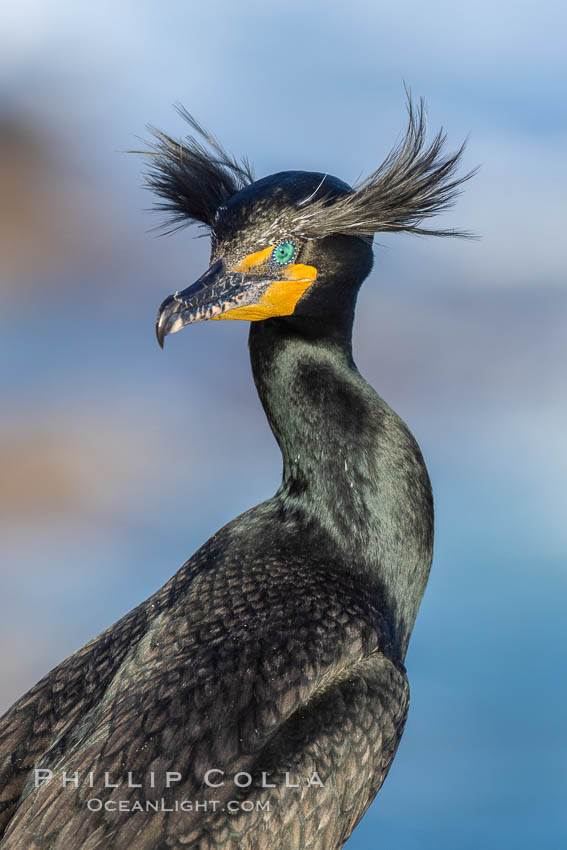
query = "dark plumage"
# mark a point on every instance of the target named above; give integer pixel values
(414, 182)
(277, 650)
(193, 180)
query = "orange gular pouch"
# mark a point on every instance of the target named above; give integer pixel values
(279, 298)
(271, 294)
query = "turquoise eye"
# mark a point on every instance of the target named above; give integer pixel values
(284, 253)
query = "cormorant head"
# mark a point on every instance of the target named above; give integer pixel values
(295, 243)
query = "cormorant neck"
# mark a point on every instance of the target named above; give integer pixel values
(354, 481)
(300, 365)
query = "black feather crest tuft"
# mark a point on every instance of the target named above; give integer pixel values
(413, 183)
(193, 178)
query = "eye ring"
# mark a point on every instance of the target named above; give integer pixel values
(284, 253)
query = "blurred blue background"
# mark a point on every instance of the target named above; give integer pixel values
(118, 460)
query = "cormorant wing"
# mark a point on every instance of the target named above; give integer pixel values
(263, 666)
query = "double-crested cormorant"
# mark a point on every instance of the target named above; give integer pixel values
(258, 698)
